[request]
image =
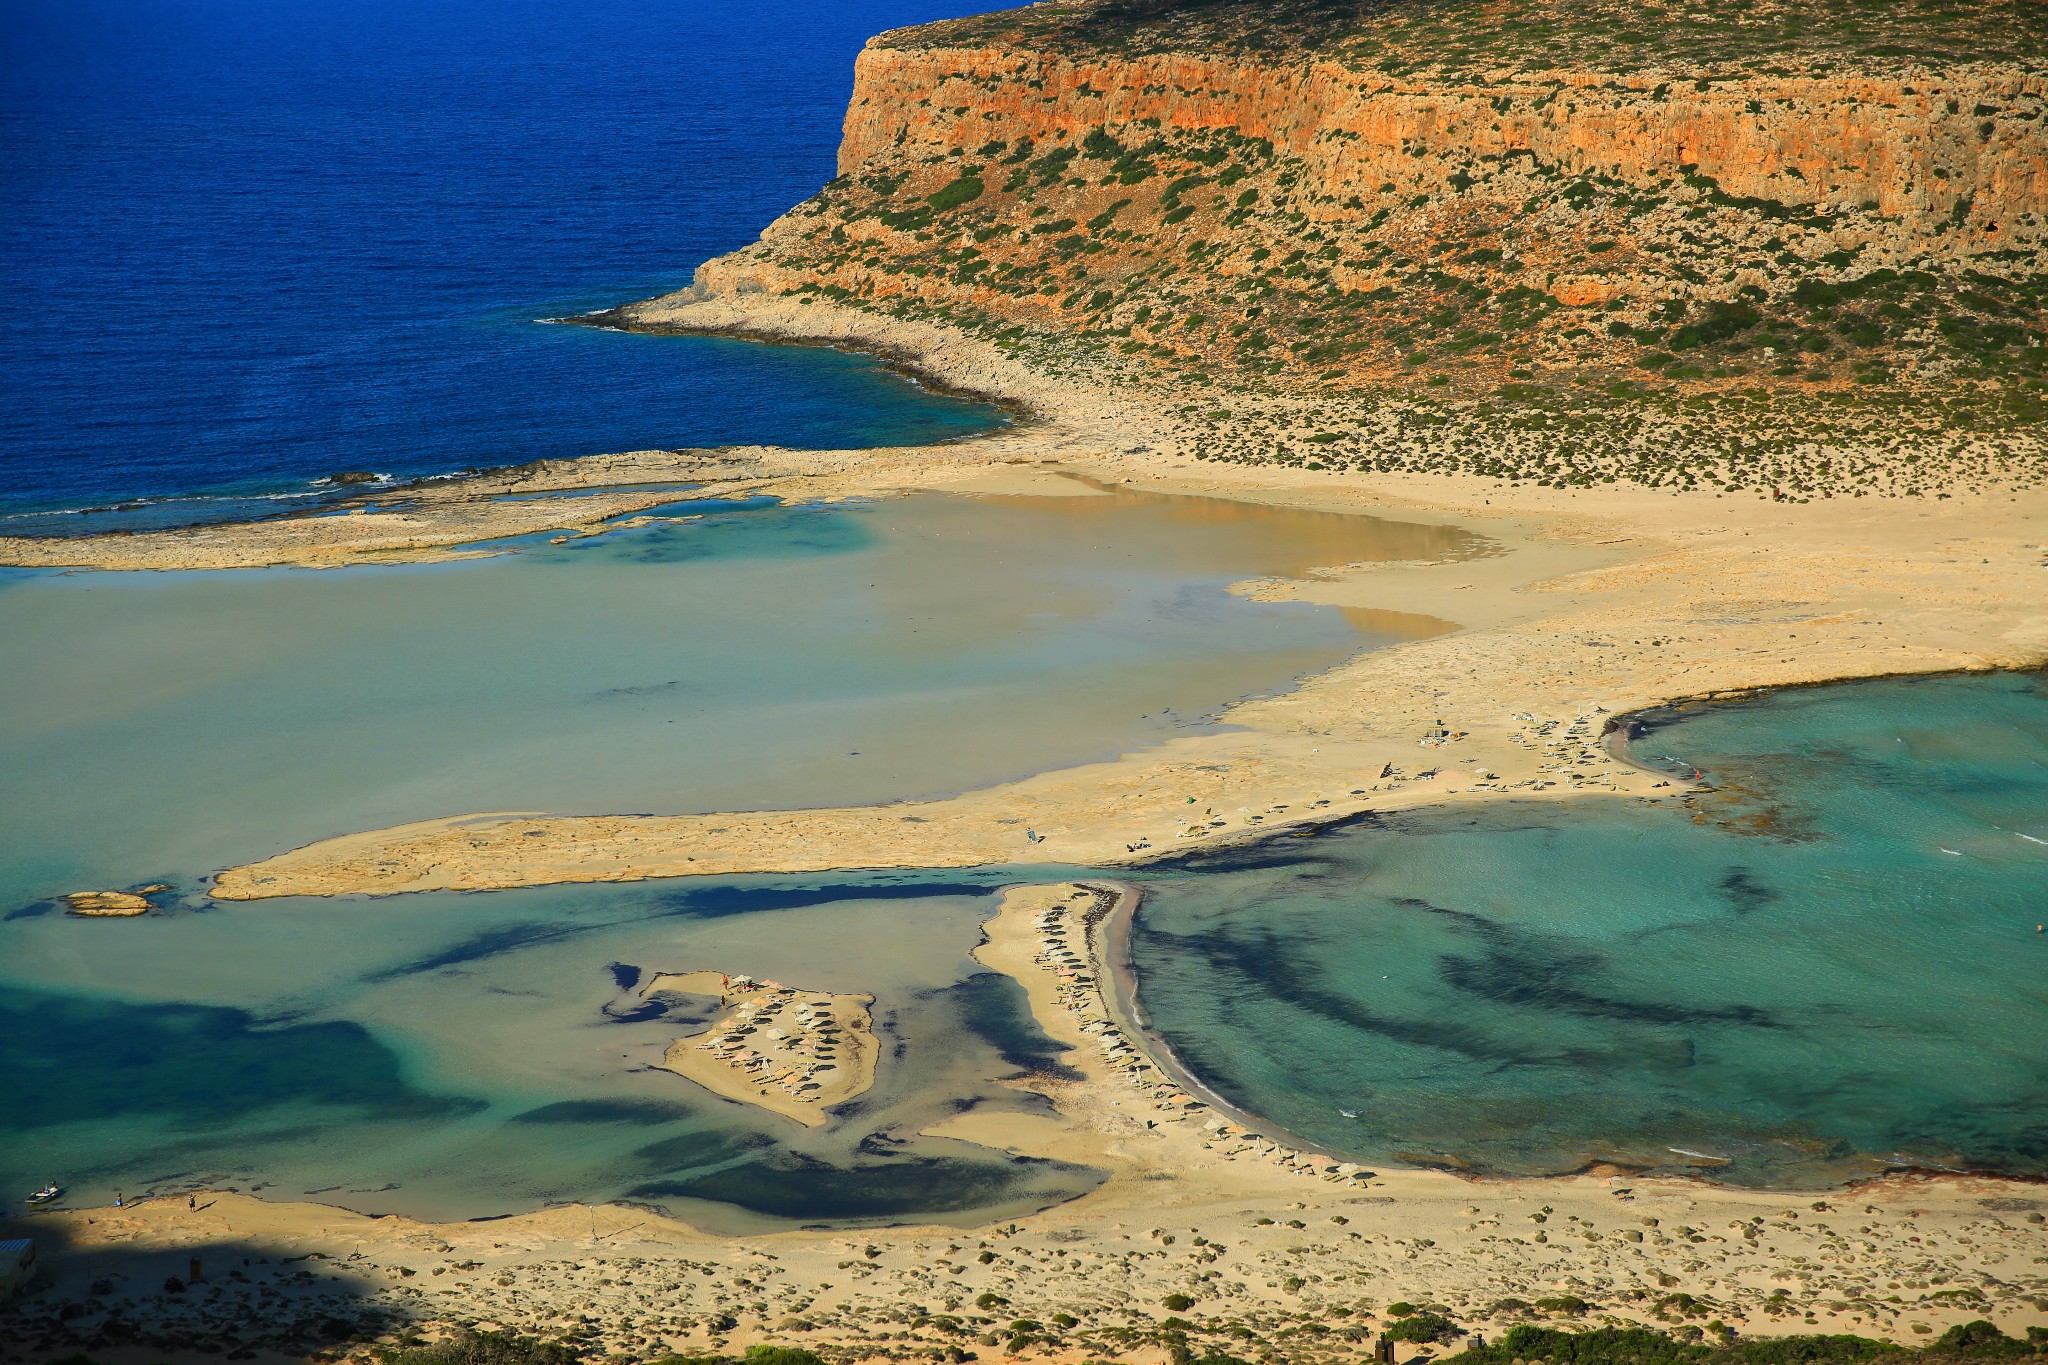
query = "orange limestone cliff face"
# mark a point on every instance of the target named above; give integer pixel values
(1950, 163)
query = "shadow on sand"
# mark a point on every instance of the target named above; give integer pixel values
(228, 1298)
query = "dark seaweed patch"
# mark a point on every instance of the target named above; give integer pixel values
(1521, 969)
(1543, 980)
(715, 901)
(490, 943)
(636, 1014)
(879, 1144)
(793, 1185)
(1744, 891)
(65, 1059)
(603, 1111)
(996, 1009)
(696, 1151)
(1263, 964)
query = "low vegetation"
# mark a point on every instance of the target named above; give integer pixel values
(1418, 35)
(1187, 1343)
(1645, 326)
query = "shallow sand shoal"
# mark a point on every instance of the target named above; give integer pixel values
(108, 904)
(1601, 601)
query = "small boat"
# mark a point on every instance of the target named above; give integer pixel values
(47, 1194)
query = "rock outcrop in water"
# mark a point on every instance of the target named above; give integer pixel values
(1540, 209)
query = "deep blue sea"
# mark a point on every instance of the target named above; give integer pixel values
(248, 244)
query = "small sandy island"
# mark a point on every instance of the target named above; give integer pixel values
(112, 904)
(794, 1053)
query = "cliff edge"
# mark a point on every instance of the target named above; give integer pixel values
(1539, 214)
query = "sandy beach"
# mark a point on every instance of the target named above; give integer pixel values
(792, 1052)
(1272, 1246)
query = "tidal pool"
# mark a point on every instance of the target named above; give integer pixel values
(1828, 968)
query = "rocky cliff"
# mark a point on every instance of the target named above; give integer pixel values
(1470, 200)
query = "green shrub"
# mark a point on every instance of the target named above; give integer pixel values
(1423, 1327)
(1101, 146)
(965, 190)
(1722, 321)
(1053, 164)
(1177, 1303)
(1644, 1346)
(1981, 1338)
(471, 1347)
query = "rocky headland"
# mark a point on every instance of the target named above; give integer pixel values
(1789, 248)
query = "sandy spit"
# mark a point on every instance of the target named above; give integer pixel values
(1599, 602)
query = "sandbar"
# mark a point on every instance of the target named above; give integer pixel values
(792, 1052)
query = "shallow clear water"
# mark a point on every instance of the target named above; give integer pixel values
(1794, 979)
(456, 1056)
(1830, 967)
(459, 1056)
(160, 726)
(249, 244)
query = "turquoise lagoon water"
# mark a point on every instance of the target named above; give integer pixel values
(1829, 968)
(456, 1056)
(1791, 982)
(461, 1056)
(159, 726)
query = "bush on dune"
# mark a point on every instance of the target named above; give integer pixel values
(471, 1347)
(1971, 1341)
